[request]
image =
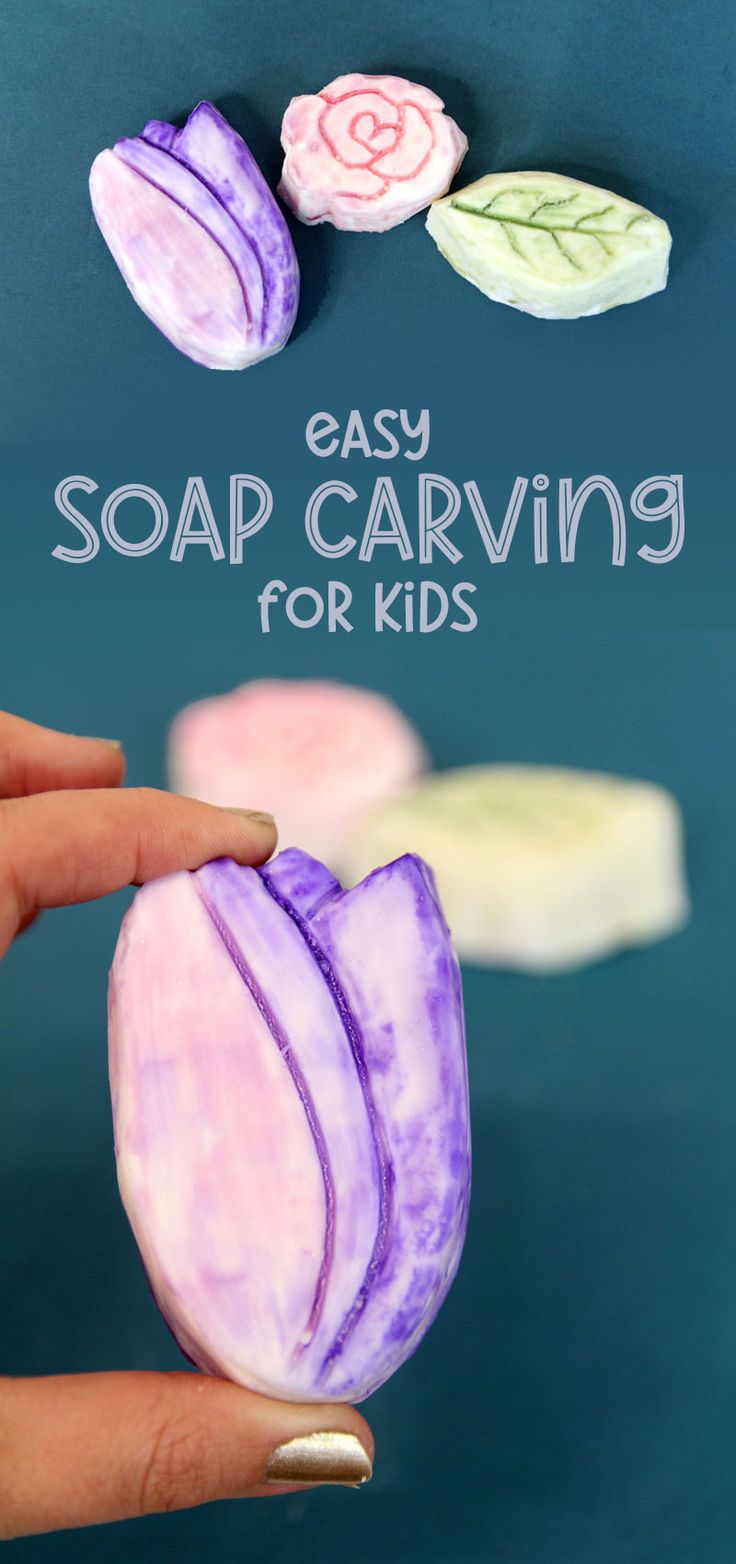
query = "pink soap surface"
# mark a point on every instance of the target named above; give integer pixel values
(367, 152)
(315, 754)
(199, 239)
(290, 1104)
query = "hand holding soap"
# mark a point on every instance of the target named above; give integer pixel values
(289, 1090)
(550, 245)
(199, 239)
(367, 152)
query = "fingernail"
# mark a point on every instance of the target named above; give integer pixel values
(111, 743)
(320, 1458)
(260, 817)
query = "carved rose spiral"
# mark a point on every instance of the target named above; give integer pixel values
(367, 152)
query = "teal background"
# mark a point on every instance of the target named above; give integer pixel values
(576, 1399)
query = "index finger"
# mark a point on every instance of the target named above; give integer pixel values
(87, 1448)
(36, 760)
(57, 848)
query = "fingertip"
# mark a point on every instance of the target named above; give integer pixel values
(363, 1431)
(260, 835)
(34, 759)
(101, 1447)
(112, 758)
(327, 1457)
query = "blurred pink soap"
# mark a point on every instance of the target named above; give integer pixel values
(317, 755)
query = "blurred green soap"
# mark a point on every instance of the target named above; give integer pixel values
(550, 245)
(538, 868)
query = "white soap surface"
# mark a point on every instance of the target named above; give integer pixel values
(550, 245)
(538, 868)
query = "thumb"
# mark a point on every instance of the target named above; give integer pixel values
(82, 1449)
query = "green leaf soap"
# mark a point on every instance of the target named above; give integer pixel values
(540, 868)
(550, 245)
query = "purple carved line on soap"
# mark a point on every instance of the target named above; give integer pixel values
(195, 219)
(312, 1117)
(191, 168)
(385, 1166)
(329, 895)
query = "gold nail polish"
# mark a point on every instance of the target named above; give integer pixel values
(320, 1458)
(258, 815)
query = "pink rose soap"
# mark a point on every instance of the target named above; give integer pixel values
(367, 152)
(317, 755)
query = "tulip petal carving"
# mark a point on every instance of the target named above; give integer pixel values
(289, 1088)
(199, 239)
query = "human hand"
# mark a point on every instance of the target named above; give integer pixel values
(78, 1450)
